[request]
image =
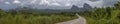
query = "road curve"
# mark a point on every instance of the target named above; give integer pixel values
(80, 20)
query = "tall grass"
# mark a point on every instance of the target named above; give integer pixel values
(103, 16)
(31, 19)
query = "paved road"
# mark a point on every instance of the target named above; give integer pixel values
(80, 20)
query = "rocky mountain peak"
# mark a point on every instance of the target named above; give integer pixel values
(74, 7)
(87, 6)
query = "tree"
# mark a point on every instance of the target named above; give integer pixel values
(117, 6)
(2, 13)
(13, 11)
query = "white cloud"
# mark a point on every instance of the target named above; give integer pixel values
(7, 2)
(33, 1)
(16, 1)
(44, 2)
(96, 3)
(56, 4)
(93, 0)
(67, 4)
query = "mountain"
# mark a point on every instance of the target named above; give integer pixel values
(74, 8)
(85, 7)
(53, 4)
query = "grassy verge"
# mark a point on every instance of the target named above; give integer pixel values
(30, 19)
(103, 16)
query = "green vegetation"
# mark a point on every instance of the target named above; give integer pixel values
(108, 15)
(22, 17)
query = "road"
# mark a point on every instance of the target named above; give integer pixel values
(80, 20)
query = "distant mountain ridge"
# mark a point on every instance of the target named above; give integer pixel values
(74, 8)
(85, 7)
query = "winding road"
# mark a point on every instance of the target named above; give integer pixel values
(80, 20)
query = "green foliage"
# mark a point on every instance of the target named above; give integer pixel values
(2, 13)
(117, 5)
(108, 15)
(103, 16)
(16, 17)
(21, 19)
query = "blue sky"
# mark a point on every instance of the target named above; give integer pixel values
(54, 4)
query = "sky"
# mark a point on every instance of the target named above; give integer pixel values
(54, 4)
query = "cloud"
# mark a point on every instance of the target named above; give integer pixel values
(67, 4)
(7, 2)
(109, 2)
(16, 1)
(93, 0)
(33, 1)
(102, 3)
(56, 4)
(1, 0)
(44, 2)
(95, 3)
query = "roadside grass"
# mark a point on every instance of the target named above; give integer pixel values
(102, 21)
(103, 16)
(30, 19)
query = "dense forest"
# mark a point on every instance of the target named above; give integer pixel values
(105, 15)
